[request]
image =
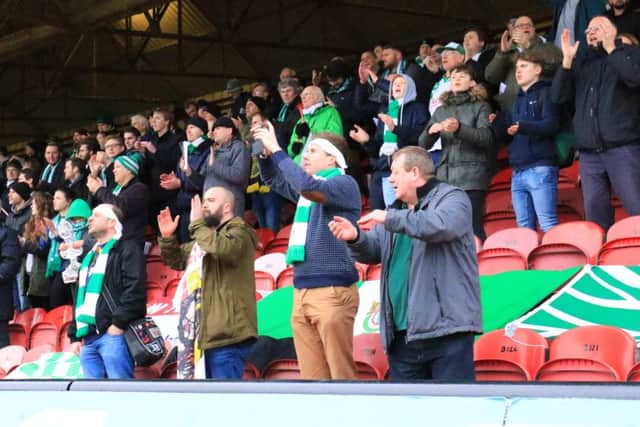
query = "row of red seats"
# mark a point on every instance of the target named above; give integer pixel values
(13, 356)
(35, 326)
(566, 245)
(586, 353)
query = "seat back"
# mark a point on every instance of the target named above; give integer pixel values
(501, 358)
(170, 290)
(251, 372)
(586, 235)
(273, 263)
(623, 251)
(634, 373)
(29, 317)
(10, 357)
(265, 235)
(368, 348)
(34, 354)
(285, 278)
(264, 281)
(585, 352)
(64, 342)
(44, 333)
(499, 260)
(159, 272)
(520, 239)
(556, 256)
(362, 270)
(628, 227)
(277, 245)
(282, 369)
(498, 201)
(496, 221)
(284, 232)
(374, 272)
(569, 176)
(59, 315)
(501, 180)
(366, 372)
(18, 335)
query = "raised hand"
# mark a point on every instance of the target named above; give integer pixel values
(506, 42)
(342, 229)
(166, 225)
(196, 209)
(569, 51)
(358, 134)
(267, 135)
(387, 120)
(372, 219)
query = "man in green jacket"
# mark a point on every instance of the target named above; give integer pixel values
(317, 116)
(224, 320)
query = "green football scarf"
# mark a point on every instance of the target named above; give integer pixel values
(90, 286)
(298, 238)
(390, 139)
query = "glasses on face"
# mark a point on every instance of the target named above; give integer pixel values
(592, 30)
(523, 26)
(109, 146)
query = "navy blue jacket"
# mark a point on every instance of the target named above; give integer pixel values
(10, 260)
(534, 144)
(194, 184)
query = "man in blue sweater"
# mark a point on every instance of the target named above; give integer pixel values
(325, 296)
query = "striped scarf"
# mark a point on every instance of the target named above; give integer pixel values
(298, 239)
(90, 287)
(390, 139)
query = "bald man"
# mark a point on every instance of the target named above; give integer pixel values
(223, 245)
(605, 87)
(317, 116)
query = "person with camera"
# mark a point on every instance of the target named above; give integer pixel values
(221, 292)
(117, 266)
(325, 296)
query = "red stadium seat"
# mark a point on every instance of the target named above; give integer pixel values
(498, 201)
(374, 271)
(284, 232)
(569, 176)
(29, 317)
(285, 278)
(589, 353)
(634, 373)
(59, 315)
(264, 281)
(64, 343)
(154, 252)
(273, 263)
(161, 273)
(18, 335)
(258, 296)
(366, 372)
(368, 348)
(362, 270)
(11, 356)
(282, 369)
(625, 251)
(171, 288)
(501, 180)
(568, 214)
(567, 245)
(520, 239)
(265, 235)
(496, 221)
(572, 197)
(277, 245)
(44, 333)
(251, 372)
(34, 354)
(499, 260)
(154, 291)
(628, 227)
(500, 358)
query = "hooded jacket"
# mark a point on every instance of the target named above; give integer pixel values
(537, 115)
(606, 89)
(411, 121)
(228, 283)
(230, 169)
(467, 154)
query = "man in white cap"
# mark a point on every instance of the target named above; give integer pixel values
(97, 333)
(325, 297)
(129, 194)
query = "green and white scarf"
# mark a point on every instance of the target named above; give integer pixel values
(390, 139)
(298, 238)
(90, 286)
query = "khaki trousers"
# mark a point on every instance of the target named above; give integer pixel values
(322, 322)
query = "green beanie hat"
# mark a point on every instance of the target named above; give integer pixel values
(79, 209)
(130, 163)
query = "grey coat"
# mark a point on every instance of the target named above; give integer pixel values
(444, 288)
(230, 170)
(469, 153)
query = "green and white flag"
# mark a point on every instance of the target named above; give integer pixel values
(607, 295)
(49, 366)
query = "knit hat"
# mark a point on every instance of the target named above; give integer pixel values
(14, 163)
(224, 122)
(260, 102)
(199, 123)
(457, 47)
(21, 189)
(210, 107)
(130, 163)
(79, 209)
(104, 119)
(233, 85)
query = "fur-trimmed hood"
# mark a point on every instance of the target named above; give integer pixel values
(477, 93)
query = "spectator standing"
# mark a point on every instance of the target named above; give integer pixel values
(53, 174)
(605, 89)
(574, 16)
(226, 325)
(290, 112)
(119, 265)
(623, 16)
(18, 215)
(75, 178)
(325, 295)
(429, 306)
(10, 260)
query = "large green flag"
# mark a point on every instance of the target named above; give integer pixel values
(505, 297)
(597, 295)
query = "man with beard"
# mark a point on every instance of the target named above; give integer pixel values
(624, 17)
(223, 247)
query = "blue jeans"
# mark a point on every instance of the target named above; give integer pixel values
(267, 206)
(447, 358)
(227, 362)
(534, 193)
(20, 300)
(106, 356)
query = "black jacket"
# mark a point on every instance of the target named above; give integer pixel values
(133, 200)
(285, 120)
(10, 261)
(79, 188)
(606, 89)
(57, 180)
(125, 276)
(164, 160)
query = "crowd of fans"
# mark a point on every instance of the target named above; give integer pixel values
(461, 100)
